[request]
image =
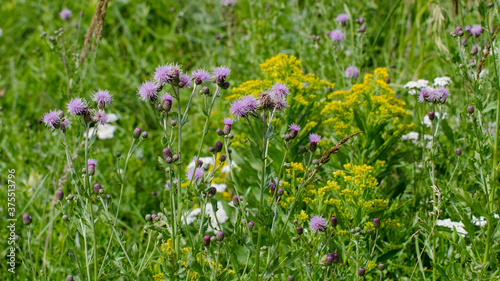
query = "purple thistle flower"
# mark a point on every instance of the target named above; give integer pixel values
(314, 138)
(228, 121)
(278, 100)
(76, 106)
(185, 81)
(220, 74)
(318, 224)
(27, 219)
(102, 98)
(198, 174)
(280, 89)
(476, 30)
(351, 72)
(467, 29)
(92, 162)
(65, 14)
(336, 35)
(174, 182)
(100, 117)
(200, 75)
(294, 130)
(227, 2)
(64, 124)
(52, 119)
(294, 127)
(148, 91)
(167, 73)
(244, 106)
(342, 19)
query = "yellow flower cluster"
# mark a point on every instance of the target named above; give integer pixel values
(306, 90)
(372, 102)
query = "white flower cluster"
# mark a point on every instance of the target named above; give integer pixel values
(414, 87)
(216, 218)
(413, 136)
(104, 131)
(459, 226)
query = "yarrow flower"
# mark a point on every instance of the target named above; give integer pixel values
(342, 19)
(76, 106)
(336, 35)
(244, 106)
(102, 98)
(100, 117)
(415, 86)
(220, 74)
(148, 91)
(351, 72)
(185, 81)
(442, 81)
(198, 174)
(318, 224)
(65, 14)
(199, 76)
(167, 73)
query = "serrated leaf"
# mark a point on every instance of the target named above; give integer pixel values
(118, 179)
(162, 162)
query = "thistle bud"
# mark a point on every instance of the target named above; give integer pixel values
(220, 132)
(206, 240)
(70, 197)
(153, 217)
(205, 90)
(302, 149)
(236, 200)
(222, 158)
(376, 222)
(225, 85)
(286, 137)
(361, 271)
(169, 160)
(250, 225)
(59, 195)
(173, 123)
(148, 217)
(362, 29)
(27, 219)
(369, 231)
(470, 109)
(333, 221)
(458, 151)
(464, 42)
(381, 266)
(175, 157)
(431, 115)
(290, 278)
(313, 146)
(265, 101)
(65, 218)
(299, 230)
(357, 229)
(230, 136)
(329, 259)
(118, 154)
(335, 257)
(295, 239)
(167, 152)
(280, 192)
(218, 146)
(211, 149)
(97, 187)
(220, 235)
(144, 135)
(137, 132)
(473, 50)
(69, 277)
